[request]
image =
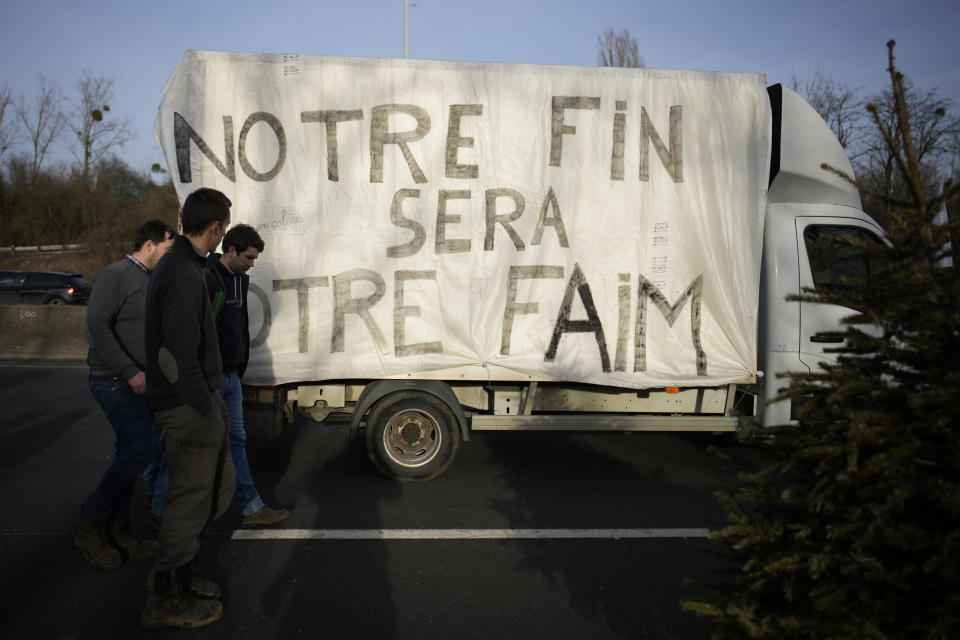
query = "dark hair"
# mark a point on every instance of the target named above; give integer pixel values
(241, 237)
(203, 207)
(156, 230)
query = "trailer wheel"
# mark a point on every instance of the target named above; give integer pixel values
(412, 435)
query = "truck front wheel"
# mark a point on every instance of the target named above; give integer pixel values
(412, 435)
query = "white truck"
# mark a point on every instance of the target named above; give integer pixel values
(458, 246)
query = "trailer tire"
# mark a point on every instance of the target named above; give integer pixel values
(412, 435)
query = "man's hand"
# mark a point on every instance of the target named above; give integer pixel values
(139, 383)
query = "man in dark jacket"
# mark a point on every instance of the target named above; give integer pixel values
(115, 320)
(183, 370)
(227, 284)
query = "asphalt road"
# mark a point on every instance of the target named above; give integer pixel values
(297, 583)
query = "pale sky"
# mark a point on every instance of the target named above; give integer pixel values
(138, 43)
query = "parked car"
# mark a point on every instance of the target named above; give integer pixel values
(43, 287)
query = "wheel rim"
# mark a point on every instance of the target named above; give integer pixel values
(412, 438)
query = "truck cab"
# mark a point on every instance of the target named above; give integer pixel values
(808, 206)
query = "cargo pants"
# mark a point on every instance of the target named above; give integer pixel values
(201, 475)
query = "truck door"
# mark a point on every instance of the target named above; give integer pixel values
(825, 263)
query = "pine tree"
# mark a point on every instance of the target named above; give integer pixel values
(854, 532)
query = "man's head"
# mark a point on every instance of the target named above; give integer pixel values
(151, 241)
(241, 246)
(205, 217)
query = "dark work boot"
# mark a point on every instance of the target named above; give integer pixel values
(265, 516)
(198, 586)
(92, 540)
(131, 546)
(171, 605)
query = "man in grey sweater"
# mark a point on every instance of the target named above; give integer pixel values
(114, 331)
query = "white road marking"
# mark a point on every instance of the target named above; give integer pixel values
(464, 534)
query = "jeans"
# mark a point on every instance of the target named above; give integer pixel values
(132, 419)
(247, 497)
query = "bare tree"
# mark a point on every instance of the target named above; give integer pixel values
(935, 134)
(935, 141)
(838, 104)
(618, 49)
(9, 134)
(43, 122)
(93, 135)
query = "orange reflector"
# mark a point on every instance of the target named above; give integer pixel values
(672, 389)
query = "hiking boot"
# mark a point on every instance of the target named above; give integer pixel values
(170, 605)
(265, 516)
(131, 546)
(92, 540)
(200, 587)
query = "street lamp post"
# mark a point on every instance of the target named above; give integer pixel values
(406, 27)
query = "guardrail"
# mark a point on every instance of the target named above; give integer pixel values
(43, 248)
(43, 332)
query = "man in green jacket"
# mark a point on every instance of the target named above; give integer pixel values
(228, 283)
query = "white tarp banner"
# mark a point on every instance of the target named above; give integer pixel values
(597, 225)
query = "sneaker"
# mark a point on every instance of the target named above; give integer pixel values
(131, 546)
(92, 540)
(265, 516)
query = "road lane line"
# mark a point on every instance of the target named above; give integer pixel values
(464, 534)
